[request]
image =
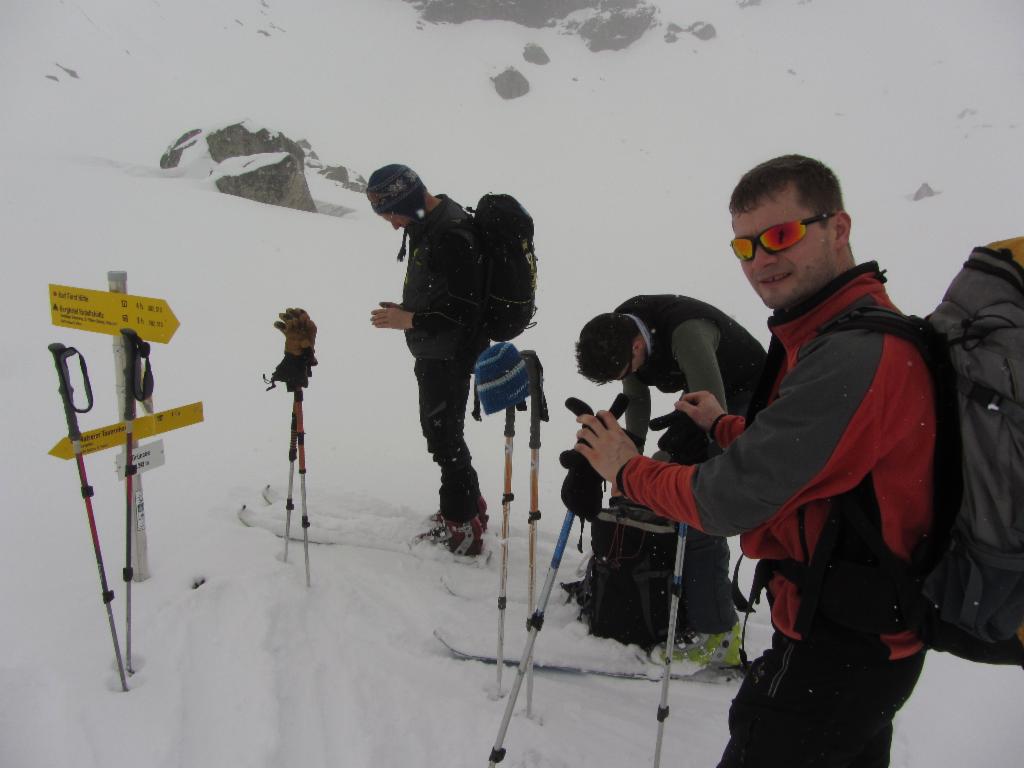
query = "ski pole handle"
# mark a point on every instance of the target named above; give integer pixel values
(537, 410)
(61, 356)
(138, 379)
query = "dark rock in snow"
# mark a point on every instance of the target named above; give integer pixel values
(702, 31)
(172, 156)
(534, 54)
(278, 182)
(237, 140)
(511, 84)
(924, 191)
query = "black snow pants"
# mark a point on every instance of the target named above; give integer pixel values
(443, 393)
(806, 706)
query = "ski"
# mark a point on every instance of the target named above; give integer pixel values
(366, 530)
(637, 667)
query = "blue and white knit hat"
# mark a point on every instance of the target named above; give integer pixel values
(396, 189)
(501, 378)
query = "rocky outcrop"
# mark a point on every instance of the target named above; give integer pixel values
(263, 165)
(618, 28)
(603, 24)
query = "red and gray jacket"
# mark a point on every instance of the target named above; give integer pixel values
(843, 412)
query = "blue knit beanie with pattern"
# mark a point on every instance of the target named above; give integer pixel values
(396, 189)
(501, 378)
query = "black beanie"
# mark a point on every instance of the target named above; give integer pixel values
(396, 189)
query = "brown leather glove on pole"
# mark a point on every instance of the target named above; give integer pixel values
(299, 331)
(299, 342)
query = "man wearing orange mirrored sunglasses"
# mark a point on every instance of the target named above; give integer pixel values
(836, 419)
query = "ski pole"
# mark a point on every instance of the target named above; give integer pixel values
(534, 624)
(61, 355)
(536, 621)
(300, 437)
(138, 386)
(673, 618)
(538, 413)
(506, 500)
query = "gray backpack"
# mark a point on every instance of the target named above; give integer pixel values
(964, 591)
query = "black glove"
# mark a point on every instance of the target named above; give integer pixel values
(294, 370)
(684, 442)
(583, 487)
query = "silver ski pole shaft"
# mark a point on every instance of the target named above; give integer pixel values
(506, 500)
(535, 624)
(289, 505)
(538, 413)
(673, 618)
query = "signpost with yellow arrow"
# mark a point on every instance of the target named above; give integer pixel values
(109, 312)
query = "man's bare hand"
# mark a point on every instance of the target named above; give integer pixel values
(391, 315)
(702, 407)
(604, 444)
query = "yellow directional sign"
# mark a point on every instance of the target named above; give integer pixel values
(108, 312)
(142, 427)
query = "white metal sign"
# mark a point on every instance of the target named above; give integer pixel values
(146, 457)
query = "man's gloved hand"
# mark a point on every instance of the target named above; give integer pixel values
(299, 332)
(684, 441)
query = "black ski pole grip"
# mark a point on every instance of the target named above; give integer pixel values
(61, 355)
(536, 386)
(138, 377)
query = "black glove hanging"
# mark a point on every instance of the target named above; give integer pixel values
(293, 370)
(684, 442)
(583, 487)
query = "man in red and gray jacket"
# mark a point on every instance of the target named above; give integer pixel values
(844, 418)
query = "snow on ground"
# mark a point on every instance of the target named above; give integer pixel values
(625, 159)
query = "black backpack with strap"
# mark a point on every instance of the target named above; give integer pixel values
(963, 590)
(504, 233)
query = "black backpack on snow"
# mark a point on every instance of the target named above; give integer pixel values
(963, 591)
(504, 233)
(626, 592)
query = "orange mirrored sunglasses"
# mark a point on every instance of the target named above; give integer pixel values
(776, 238)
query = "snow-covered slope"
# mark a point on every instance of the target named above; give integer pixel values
(626, 161)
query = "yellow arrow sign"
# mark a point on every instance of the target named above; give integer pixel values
(142, 427)
(107, 312)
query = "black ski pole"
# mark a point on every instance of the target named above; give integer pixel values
(300, 439)
(673, 618)
(138, 386)
(536, 621)
(61, 355)
(538, 413)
